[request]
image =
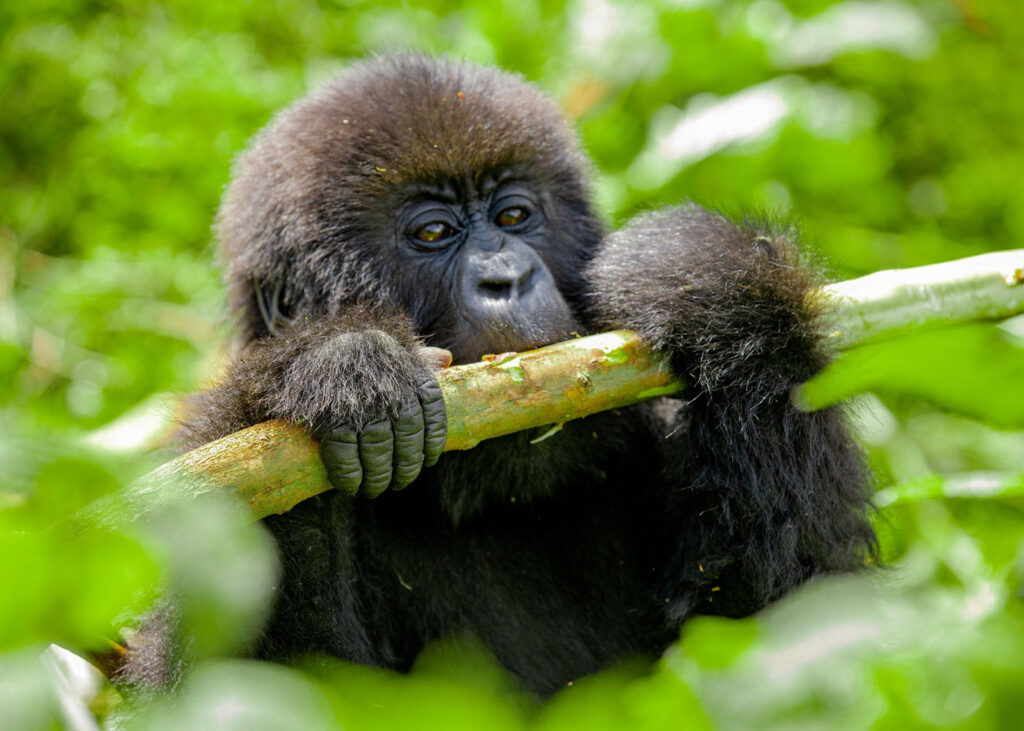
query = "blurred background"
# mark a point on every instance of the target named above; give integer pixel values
(891, 129)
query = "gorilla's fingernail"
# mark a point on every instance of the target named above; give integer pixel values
(435, 357)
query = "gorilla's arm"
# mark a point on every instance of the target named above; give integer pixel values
(360, 382)
(761, 494)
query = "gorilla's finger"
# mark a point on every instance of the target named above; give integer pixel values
(435, 421)
(435, 357)
(408, 444)
(376, 446)
(339, 450)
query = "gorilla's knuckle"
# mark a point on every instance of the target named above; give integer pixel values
(428, 387)
(346, 481)
(376, 456)
(404, 477)
(376, 431)
(347, 474)
(409, 409)
(409, 441)
(374, 485)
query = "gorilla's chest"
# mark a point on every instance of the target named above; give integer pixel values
(557, 592)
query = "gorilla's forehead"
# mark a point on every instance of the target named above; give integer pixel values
(412, 118)
(480, 185)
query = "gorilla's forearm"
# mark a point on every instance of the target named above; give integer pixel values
(733, 307)
(767, 494)
(319, 372)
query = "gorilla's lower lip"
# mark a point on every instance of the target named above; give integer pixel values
(517, 335)
(518, 345)
(470, 346)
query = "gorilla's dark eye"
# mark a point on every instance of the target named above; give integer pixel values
(511, 216)
(433, 232)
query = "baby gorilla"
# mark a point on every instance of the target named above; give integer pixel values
(419, 203)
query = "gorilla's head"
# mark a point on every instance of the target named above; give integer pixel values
(454, 193)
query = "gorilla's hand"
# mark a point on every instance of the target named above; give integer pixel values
(361, 382)
(401, 424)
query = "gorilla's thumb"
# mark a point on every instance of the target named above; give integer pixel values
(435, 357)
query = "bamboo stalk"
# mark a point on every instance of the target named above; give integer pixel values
(275, 465)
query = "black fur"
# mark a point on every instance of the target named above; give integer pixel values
(564, 555)
(767, 495)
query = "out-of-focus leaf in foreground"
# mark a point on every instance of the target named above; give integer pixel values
(977, 370)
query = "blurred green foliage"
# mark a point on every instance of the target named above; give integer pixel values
(891, 128)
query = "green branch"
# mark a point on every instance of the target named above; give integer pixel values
(883, 304)
(275, 465)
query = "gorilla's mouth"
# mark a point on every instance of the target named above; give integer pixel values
(505, 338)
(511, 329)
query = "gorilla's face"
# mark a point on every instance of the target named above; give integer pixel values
(483, 253)
(449, 193)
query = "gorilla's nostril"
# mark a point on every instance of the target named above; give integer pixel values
(496, 287)
(525, 279)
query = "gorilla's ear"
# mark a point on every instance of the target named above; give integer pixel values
(270, 305)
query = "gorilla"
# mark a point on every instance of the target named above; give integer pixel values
(415, 211)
